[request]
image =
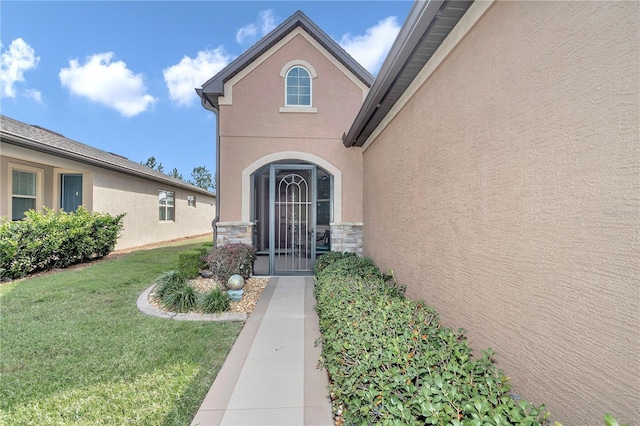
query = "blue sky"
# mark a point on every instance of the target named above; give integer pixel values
(120, 75)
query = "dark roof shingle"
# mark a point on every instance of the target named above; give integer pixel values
(39, 139)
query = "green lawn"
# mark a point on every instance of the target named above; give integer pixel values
(75, 350)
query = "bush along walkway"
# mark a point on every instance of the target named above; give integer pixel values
(390, 360)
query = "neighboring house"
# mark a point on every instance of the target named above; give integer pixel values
(289, 186)
(494, 169)
(40, 168)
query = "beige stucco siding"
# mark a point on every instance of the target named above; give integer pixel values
(253, 127)
(241, 152)
(117, 193)
(508, 187)
(49, 169)
(111, 192)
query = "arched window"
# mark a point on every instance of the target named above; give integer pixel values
(298, 87)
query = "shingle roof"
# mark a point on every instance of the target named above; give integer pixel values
(214, 87)
(426, 27)
(21, 134)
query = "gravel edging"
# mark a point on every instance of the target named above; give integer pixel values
(145, 307)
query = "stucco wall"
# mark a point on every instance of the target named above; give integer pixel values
(253, 126)
(50, 167)
(115, 193)
(508, 187)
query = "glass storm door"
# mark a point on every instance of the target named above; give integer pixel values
(292, 213)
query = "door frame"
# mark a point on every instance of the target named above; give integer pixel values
(63, 187)
(272, 215)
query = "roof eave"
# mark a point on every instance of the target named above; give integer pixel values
(214, 87)
(418, 21)
(23, 142)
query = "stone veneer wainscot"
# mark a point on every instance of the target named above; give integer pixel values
(345, 236)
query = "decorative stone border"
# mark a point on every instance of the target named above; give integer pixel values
(145, 307)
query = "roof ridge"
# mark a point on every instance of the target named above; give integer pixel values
(215, 85)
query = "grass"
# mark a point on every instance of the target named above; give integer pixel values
(75, 350)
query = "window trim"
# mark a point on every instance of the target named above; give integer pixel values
(39, 185)
(284, 72)
(167, 191)
(286, 88)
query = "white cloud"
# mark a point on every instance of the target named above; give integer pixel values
(36, 95)
(246, 32)
(20, 57)
(108, 83)
(371, 48)
(266, 21)
(189, 73)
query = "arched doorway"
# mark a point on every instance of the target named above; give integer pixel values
(292, 208)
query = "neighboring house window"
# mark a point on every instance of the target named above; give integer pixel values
(167, 205)
(298, 87)
(70, 192)
(24, 186)
(191, 200)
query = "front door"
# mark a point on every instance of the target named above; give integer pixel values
(292, 214)
(71, 192)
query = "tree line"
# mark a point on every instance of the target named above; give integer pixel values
(200, 176)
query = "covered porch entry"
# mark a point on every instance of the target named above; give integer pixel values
(292, 208)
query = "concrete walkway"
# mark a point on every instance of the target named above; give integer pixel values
(270, 375)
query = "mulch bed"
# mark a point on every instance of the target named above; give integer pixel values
(253, 289)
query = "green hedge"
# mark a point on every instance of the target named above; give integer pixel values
(391, 361)
(190, 262)
(47, 240)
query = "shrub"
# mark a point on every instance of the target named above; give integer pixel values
(330, 258)
(215, 301)
(47, 240)
(190, 263)
(391, 361)
(232, 258)
(337, 264)
(168, 282)
(203, 251)
(177, 295)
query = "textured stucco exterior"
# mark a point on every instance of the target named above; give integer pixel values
(252, 125)
(112, 192)
(508, 186)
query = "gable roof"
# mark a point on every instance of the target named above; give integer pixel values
(214, 87)
(17, 133)
(426, 27)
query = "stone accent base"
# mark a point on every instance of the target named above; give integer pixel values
(234, 232)
(347, 236)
